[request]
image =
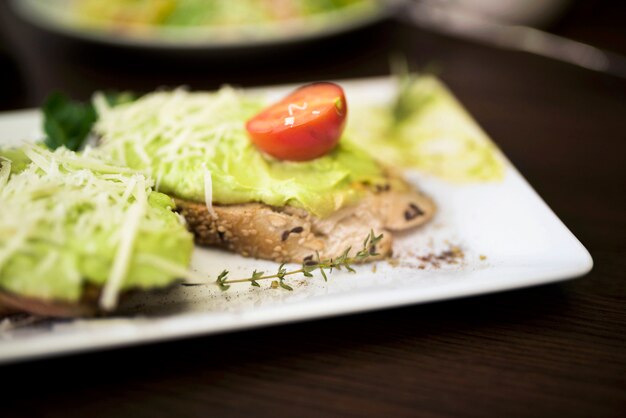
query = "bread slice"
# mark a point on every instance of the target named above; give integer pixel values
(86, 306)
(289, 234)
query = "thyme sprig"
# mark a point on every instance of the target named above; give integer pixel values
(309, 266)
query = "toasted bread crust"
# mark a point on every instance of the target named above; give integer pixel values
(291, 234)
(11, 303)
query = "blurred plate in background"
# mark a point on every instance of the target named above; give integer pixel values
(196, 24)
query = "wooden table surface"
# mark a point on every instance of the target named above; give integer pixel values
(554, 350)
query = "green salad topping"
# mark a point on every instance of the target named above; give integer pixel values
(70, 220)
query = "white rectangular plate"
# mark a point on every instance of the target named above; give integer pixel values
(508, 235)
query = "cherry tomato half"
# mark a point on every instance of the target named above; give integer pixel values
(304, 125)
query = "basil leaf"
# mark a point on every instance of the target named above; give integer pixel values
(67, 122)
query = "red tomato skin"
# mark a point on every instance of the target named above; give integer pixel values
(305, 141)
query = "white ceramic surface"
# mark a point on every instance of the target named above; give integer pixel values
(509, 236)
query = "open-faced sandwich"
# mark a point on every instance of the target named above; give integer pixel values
(275, 182)
(76, 232)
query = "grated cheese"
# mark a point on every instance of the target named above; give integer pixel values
(110, 292)
(174, 126)
(208, 191)
(129, 231)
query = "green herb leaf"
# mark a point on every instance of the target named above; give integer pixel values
(310, 267)
(281, 271)
(67, 123)
(307, 268)
(221, 279)
(285, 286)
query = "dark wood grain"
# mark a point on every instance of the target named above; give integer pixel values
(556, 350)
